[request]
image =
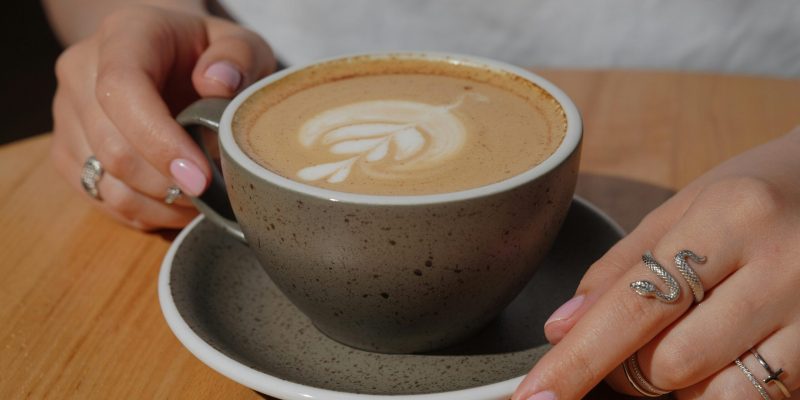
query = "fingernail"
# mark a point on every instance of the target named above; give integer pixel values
(546, 395)
(188, 176)
(225, 73)
(566, 310)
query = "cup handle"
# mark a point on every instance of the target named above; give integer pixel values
(213, 203)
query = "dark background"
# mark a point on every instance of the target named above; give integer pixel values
(29, 50)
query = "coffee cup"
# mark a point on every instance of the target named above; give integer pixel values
(401, 200)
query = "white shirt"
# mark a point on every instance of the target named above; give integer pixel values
(737, 36)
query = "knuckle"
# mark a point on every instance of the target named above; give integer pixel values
(747, 200)
(110, 80)
(64, 63)
(117, 158)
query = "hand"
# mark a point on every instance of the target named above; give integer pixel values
(118, 91)
(744, 216)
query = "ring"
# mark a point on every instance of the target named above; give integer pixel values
(773, 376)
(636, 378)
(173, 193)
(649, 289)
(753, 380)
(688, 273)
(90, 174)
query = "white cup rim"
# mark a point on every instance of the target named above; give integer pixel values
(568, 146)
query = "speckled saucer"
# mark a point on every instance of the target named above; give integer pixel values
(222, 306)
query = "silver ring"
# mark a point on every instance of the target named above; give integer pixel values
(756, 384)
(173, 193)
(90, 174)
(649, 289)
(772, 376)
(636, 378)
(688, 273)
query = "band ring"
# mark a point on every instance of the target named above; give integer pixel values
(173, 193)
(636, 378)
(750, 377)
(772, 376)
(90, 174)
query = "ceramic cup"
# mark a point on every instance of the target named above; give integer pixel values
(394, 274)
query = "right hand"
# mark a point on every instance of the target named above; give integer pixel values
(118, 91)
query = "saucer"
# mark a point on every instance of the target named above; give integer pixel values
(224, 308)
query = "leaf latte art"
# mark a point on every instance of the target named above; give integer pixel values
(387, 139)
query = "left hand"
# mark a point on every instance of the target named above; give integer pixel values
(744, 216)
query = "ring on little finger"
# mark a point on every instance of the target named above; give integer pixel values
(173, 193)
(772, 376)
(90, 174)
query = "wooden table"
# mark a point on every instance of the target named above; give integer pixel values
(79, 314)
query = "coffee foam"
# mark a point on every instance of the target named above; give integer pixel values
(419, 135)
(397, 144)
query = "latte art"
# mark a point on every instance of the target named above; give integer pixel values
(398, 127)
(406, 136)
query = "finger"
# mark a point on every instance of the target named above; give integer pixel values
(133, 64)
(234, 59)
(621, 322)
(129, 206)
(139, 210)
(601, 275)
(120, 159)
(780, 350)
(69, 151)
(701, 342)
(110, 148)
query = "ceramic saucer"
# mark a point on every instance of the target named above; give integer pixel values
(223, 307)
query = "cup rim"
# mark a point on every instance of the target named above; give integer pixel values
(568, 146)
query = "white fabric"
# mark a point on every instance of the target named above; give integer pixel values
(737, 36)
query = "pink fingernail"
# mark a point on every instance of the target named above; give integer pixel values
(546, 395)
(225, 73)
(188, 176)
(566, 310)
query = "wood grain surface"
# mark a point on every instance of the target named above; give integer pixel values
(79, 313)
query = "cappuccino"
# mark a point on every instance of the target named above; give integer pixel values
(399, 127)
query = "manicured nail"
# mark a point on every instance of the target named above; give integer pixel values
(566, 310)
(546, 395)
(188, 176)
(225, 73)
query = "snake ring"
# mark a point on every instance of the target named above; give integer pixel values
(90, 174)
(648, 289)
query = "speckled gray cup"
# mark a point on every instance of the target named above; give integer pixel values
(395, 274)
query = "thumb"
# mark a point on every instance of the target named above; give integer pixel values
(235, 58)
